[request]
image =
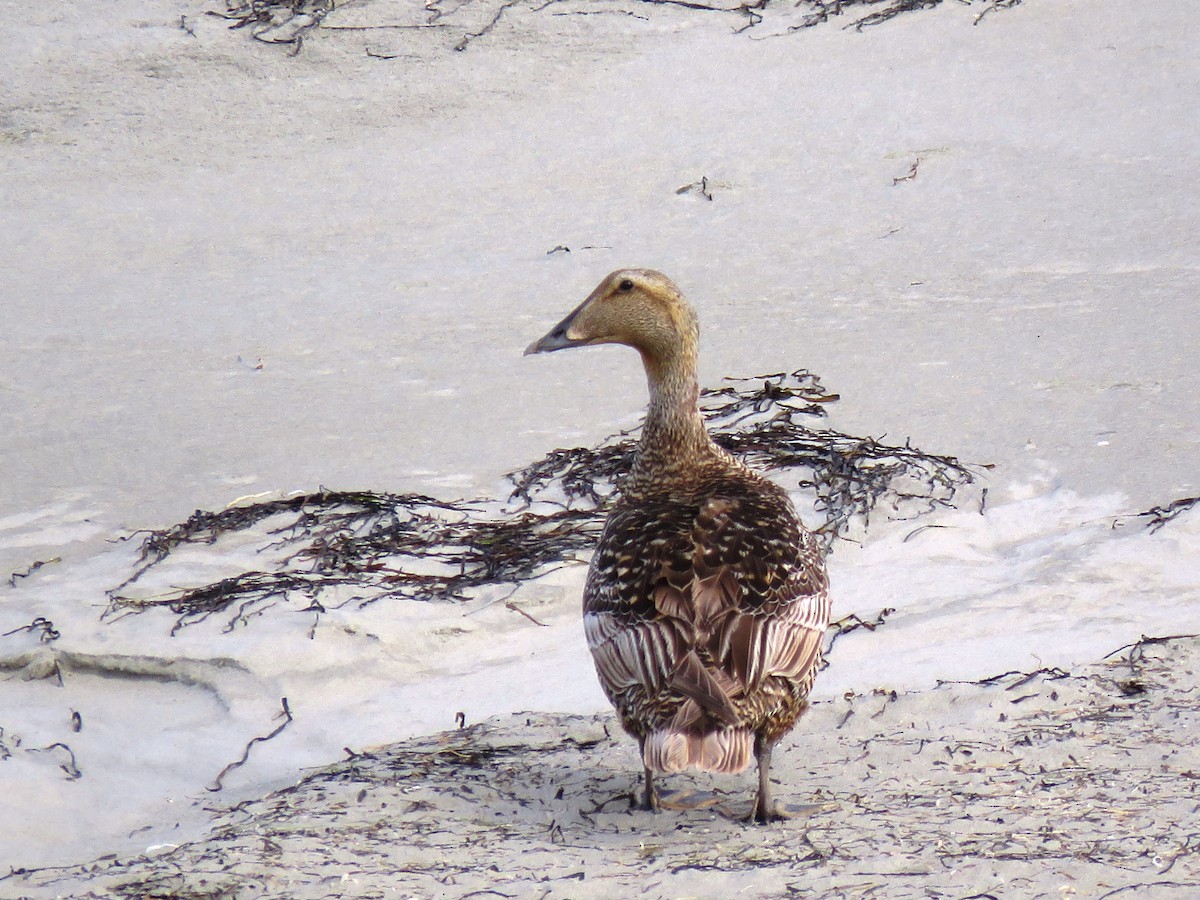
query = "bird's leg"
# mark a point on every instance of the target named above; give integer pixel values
(649, 797)
(764, 806)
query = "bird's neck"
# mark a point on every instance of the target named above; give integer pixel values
(675, 444)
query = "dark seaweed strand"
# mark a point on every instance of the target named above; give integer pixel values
(1158, 516)
(374, 546)
(262, 19)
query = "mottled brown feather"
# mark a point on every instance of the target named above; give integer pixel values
(739, 585)
(706, 598)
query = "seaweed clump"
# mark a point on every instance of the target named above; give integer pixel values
(1158, 516)
(360, 547)
(375, 546)
(465, 22)
(274, 21)
(760, 420)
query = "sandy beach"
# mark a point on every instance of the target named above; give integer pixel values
(1036, 784)
(299, 259)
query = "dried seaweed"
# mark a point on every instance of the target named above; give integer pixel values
(818, 12)
(45, 629)
(30, 569)
(756, 419)
(274, 21)
(361, 547)
(379, 546)
(847, 624)
(1158, 516)
(994, 5)
(285, 715)
(897, 7)
(289, 21)
(68, 765)
(1137, 649)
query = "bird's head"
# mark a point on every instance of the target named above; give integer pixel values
(637, 307)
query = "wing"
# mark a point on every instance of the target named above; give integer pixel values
(635, 642)
(772, 623)
(706, 598)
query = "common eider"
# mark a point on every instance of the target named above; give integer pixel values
(706, 599)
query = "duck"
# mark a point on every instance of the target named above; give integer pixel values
(706, 599)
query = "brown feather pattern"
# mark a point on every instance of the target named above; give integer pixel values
(706, 598)
(717, 623)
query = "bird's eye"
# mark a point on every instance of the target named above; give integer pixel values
(626, 285)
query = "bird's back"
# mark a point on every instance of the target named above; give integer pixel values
(704, 610)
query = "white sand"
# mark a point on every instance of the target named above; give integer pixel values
(180, 207)
(1031, 785)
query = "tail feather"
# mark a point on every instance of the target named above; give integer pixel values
(710, 688)
(728, 750)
